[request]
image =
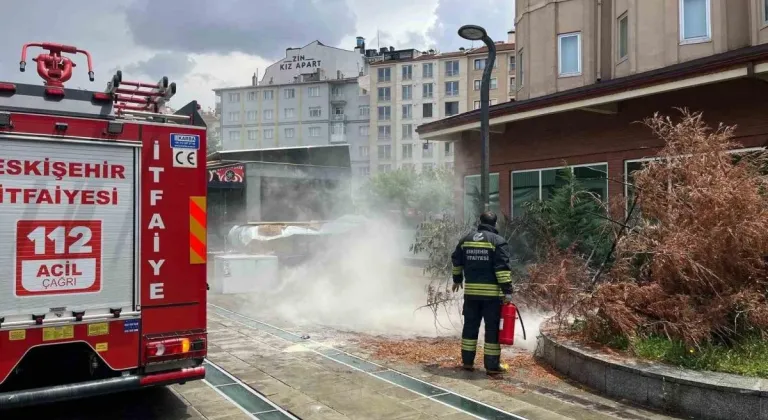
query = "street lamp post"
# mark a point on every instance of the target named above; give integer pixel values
(477, 33)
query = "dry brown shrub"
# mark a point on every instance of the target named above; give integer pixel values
(694, 267)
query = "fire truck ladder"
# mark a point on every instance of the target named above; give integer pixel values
(141, 99)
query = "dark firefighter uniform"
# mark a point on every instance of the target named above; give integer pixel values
(483, 258)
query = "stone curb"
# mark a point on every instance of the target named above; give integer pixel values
(709, 396)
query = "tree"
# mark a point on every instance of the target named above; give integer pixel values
(407, 192)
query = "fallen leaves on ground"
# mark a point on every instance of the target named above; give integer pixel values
(445, 353)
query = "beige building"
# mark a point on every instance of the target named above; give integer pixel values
(566, 44)
(409, 88)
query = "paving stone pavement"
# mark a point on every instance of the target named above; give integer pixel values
(311, 386)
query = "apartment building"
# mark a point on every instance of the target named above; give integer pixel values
(309, 98)
(502, 76)
(588, 71)
(409, 88)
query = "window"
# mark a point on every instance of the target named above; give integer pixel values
(407, 92)
(427, 90)
(694, 21)
(480, 63)
(251, 96)
(473, 204)
(540, 184)
(494, 83)
(364, 170)
(234, 135)
(451, 68)
(512, 63)
(385, 152)
(315, 111)
(385, 131)
(765, 11)
(407, 72)
(234, 117)
(427, 70)
(290, 133)
(512, 87)
(250, 116)
(478, 84)
(364, 111)
(448, 149)
(289, 93)
(362, 92)
(269, 114)
(385, 74)
(569, 54)
(269, 94)
(427, 150)
(520, 70)
(385, 168)
(336, 91)
(451, 88)
(363, 151)
(234, 97)
(289, 113)
(385, 94)
(623, 36)
(385, 113)
(363, 130)
(314, 92)
(269, 133)
(253, 135)
(338, 110)
(407, 112)
(426, 110)
(314, 131)
(451, 108)
(338, 128)
(407, 131)
(407, 151)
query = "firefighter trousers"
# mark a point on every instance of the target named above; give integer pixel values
(476, 310)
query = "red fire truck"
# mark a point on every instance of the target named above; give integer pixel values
(102, 236)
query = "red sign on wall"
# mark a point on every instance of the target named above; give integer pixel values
(58, 257)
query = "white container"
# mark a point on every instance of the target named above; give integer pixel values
(240, 273)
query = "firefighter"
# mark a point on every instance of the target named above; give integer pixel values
(482, 256)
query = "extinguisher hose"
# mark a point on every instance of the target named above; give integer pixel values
(522, 325)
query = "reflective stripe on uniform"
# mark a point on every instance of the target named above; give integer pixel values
(482, 289)
(492, 349)
(504, 276)
(478, 245)
(468, 345)
(457, 270)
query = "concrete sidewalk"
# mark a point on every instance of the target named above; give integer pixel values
(313, 381)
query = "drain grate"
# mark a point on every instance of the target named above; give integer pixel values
(251, 402)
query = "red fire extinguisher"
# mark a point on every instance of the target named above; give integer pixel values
(509, 316)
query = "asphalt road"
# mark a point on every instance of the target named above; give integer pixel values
(149, 404)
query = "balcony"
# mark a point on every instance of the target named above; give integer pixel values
(338, 98)
(339, 117)
(338, 138)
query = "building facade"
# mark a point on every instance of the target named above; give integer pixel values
(409, 88)
(580, 94)
(310, 98)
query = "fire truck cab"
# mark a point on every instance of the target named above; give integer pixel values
(102, 236)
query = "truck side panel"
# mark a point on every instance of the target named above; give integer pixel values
(173, 273)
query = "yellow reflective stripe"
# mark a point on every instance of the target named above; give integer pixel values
(478, 245)
(457, 270)
(468, 345)
(484, 286)
(490, 349)
(483, 293)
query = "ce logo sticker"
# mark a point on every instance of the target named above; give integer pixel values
(185, 158)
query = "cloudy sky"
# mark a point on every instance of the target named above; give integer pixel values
(205, 44)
